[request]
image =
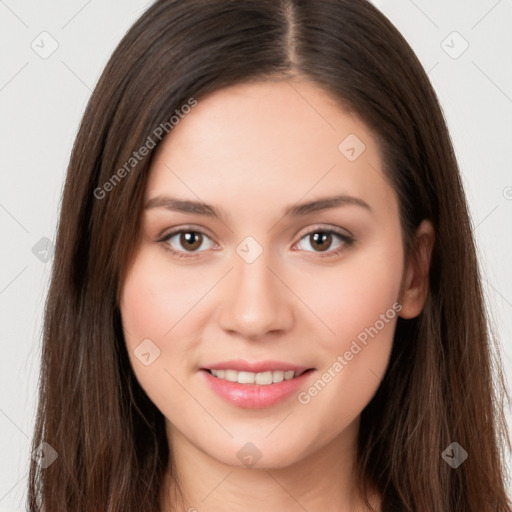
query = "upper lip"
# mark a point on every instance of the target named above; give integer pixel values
(256, 366)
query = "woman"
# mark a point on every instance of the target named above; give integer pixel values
(265, 293)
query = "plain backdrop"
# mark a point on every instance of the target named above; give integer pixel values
(51, 56)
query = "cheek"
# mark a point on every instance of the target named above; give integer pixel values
(353, 297)
(157, 304)
(359, 304)
(155, 298)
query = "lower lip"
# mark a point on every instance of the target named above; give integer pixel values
(255, 396)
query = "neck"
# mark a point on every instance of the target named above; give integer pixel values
(324, 480)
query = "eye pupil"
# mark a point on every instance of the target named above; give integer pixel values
(191, 239)
(321, 238)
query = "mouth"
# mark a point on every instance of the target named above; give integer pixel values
(265, 378)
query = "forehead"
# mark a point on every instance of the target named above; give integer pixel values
(272, 142)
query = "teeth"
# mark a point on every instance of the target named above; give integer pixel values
(262, 378)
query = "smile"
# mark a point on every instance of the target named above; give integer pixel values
(255, 390)
(261, 378)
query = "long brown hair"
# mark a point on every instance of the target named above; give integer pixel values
(444, 382)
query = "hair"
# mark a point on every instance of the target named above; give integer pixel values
(444, 382)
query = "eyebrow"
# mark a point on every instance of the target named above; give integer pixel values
(296, 210)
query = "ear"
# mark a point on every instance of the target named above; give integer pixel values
(415, 283)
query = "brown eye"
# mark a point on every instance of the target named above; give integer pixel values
(191, 240)
(321, 240)
(328, 241)
(185, 242)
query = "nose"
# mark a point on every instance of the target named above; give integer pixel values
(255, 301)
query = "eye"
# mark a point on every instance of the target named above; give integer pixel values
(321, 240)
(183, 241)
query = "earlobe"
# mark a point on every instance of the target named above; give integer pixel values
(416, 282)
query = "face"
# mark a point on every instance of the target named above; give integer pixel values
(251, 278)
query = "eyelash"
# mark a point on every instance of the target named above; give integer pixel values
(347, 240)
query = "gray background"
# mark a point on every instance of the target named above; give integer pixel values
(42, 98)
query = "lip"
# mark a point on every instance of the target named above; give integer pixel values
(254, 396)
(255, 367)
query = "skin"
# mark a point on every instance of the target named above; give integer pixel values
(252, 150)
